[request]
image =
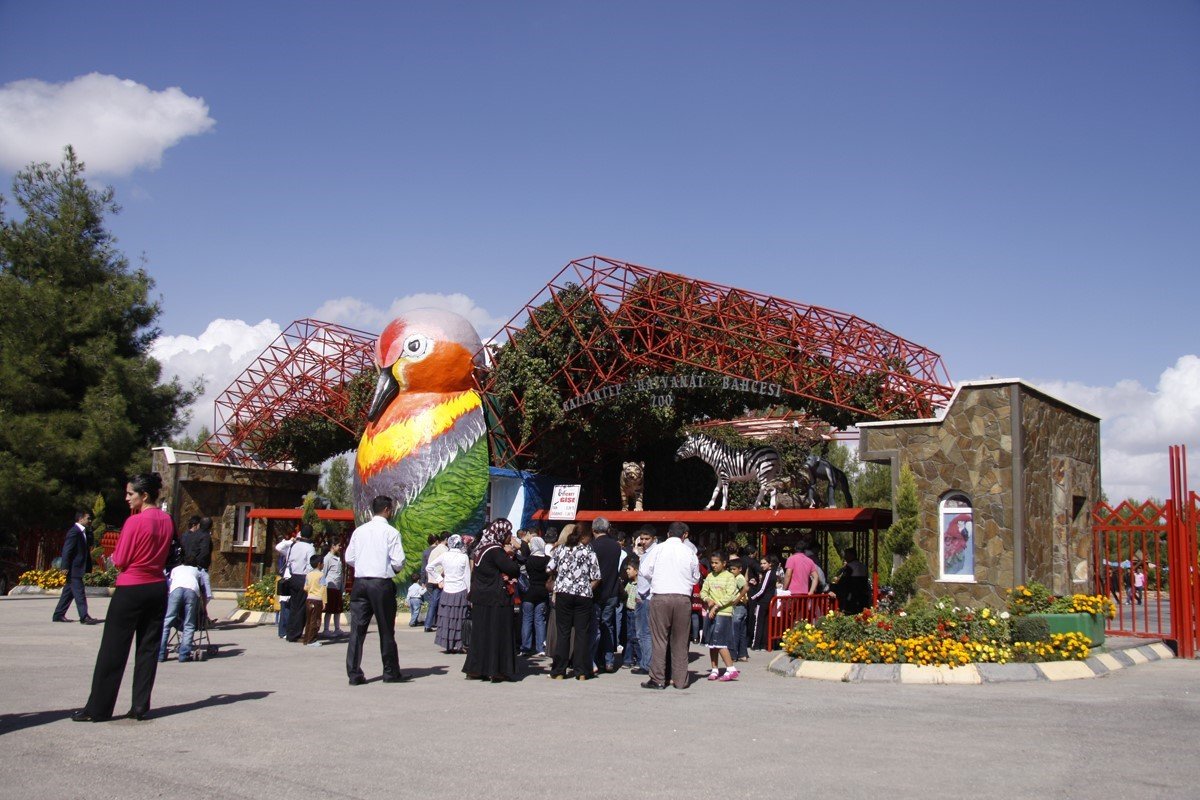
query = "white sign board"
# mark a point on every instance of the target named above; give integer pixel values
(564, 502)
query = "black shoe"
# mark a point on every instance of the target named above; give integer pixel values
(60, 619)
(140, 716)
(359, 681)
(79, 716)
(89, 621)
(638, 671)
(401, 678)
(653, 685)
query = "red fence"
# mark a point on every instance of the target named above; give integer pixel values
(786, 610)
(1144, 557)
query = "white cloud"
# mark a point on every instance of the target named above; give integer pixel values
(218, 355)
(356, 313)
(1139, 424)
(115, 125)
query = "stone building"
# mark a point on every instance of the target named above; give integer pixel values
(1006, 477)
(194, 484)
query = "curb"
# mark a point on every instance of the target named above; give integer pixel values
(245, 617)
(1093, 667)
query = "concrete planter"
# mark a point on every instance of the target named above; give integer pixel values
(29, 590)
(1090, 625)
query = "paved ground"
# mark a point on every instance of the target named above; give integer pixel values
(270, 719)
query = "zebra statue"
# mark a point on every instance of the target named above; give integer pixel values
(734, 465)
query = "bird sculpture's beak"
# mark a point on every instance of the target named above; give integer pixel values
(385, 391)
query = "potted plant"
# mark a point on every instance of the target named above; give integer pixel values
(1085, 614)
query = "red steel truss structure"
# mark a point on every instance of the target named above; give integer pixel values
(654, 319)
(306, 370)
(649, 320)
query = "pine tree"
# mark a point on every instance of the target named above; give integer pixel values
(336, 485)
(900, 540)
(80, 398)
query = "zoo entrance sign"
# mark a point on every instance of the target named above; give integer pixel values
(668, 383)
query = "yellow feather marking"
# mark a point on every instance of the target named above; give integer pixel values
(398, 441)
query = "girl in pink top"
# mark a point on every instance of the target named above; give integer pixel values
(137, 607)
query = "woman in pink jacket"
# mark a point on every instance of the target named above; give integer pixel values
(138, 604)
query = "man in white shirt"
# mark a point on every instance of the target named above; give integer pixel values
(671, 569)
(376, 554)
(188, 586)
(298, 551)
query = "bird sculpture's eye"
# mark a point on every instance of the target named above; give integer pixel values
(417, 347)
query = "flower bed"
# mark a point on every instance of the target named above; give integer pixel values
(260, 595)
(43, 578)
(941, 634)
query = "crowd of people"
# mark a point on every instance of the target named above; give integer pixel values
(594, 599)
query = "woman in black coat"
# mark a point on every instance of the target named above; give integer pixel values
(491, 654)
(535, 600)
(760, 594)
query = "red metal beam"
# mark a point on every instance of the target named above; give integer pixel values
(327, 514)
(825, 519)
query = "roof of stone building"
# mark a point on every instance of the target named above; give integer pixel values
(982, 384)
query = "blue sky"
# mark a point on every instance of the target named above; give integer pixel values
(1013, 185)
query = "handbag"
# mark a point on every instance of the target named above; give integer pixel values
(465, 634)
(174, 554)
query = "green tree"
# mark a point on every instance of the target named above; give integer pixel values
(309, 516)
(80, 398)
(336, 485)
(192, 444)
(900, 540)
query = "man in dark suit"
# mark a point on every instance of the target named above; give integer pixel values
(77, 562)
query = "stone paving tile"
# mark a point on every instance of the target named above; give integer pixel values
(875, 673)
(1137, 656)
(1065, 670)
(1008, 673)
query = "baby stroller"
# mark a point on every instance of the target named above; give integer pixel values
(202, 646)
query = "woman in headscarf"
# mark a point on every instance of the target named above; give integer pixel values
(453, 569)
(535, 599)
(492, 654)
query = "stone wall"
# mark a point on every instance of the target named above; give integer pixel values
(214, 490)
(969, 450)
(1061, 457)
(1030, 464)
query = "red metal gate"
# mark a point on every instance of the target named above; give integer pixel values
(1145, 559)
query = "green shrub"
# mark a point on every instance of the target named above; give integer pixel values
(1030, 629)
(105, 577)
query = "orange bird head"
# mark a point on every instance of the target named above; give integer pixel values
(425, 351)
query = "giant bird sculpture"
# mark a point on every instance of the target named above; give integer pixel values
(425, 442)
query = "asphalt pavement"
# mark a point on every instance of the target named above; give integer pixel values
(267, 718)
